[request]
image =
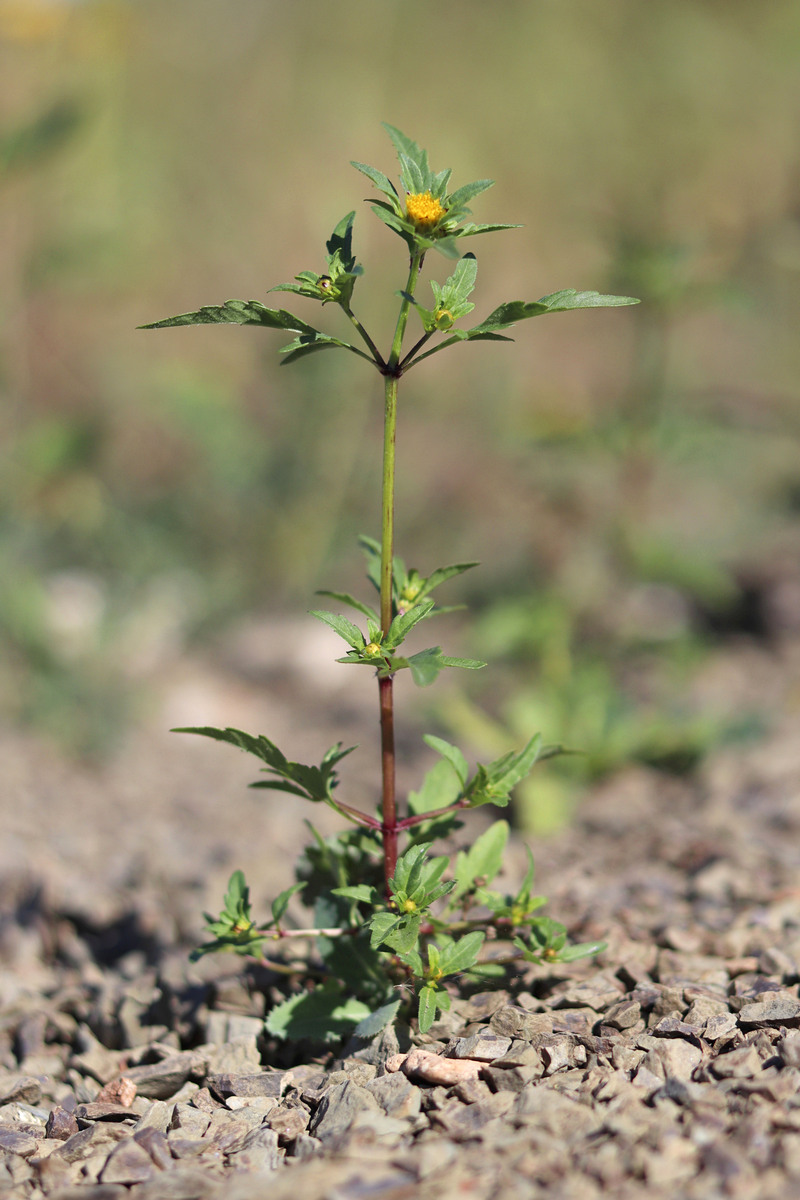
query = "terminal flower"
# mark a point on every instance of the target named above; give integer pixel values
(427, 215)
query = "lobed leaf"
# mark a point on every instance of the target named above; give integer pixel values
(237, 312)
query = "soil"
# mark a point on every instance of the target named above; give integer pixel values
(668, 1066)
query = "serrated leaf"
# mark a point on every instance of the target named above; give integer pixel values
(381, 181)
(484, 858)
(467, 192)
(451, 753)
(237, 312)
(428, 1006)
(358, 891)
(461, 955)
(439, 788)
(310, 343)
(403, 623)
(377, 1020)
(237, 893)
(341, 241)
(324, 1015)
(517, 766)
(346, 598)
(380, 924)
(441, 575)
(466, 664)
(281, 902)
(405, 935)
(469, 229)
(520, 310)
(346, 629)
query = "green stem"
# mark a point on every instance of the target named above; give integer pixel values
(373, 349)
(392, 372)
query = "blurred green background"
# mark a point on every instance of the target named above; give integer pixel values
(629, 479)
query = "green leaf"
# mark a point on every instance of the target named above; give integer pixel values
(403, 623)
(238, 893)
(377, 1020)
(358, 891)
(452, 754)
(382, 183)
(465, 664)
(341, 242)
(519, 310)
(310, 782)
(460, 955)
(516, 766)
(438, 789)
(324, 1015)
(483, 859)
(309, 343)
(281, 902)
(428, 1007)
(426, 664)
(381, 924)
(463, 195)
(401, 936)
(346, 629)
(346, 598)
(238, 312)
(408, 870)
(581, 950)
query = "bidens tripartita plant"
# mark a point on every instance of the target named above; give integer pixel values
(392, 921)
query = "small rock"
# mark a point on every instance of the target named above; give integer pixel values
(86, 1142)
(623, 1015)
(514, 1022)
(128, 1163)
(118, 1091)
(482, 1047)
(597, 993)
(26, 1089)
(99, 1111)
(396, 1095)
(770, 1013)
(61, 1124)
(13, 1141)
(161, 1080)
(259, 1155)
(338, 1109)
(509, 1079)
(433, 1068)
(673, 1059)
(306, 1147)
(741, 1063)
(156, 1116)
(289, 1123)
(720, 1026)
(156, 1144)
(265, 1083)
(191, 1122)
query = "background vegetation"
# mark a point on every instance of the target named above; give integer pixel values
(630, 479)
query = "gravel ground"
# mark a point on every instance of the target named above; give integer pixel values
(669, 1066)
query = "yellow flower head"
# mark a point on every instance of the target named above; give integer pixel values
(424, 209)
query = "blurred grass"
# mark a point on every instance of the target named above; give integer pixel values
(159, 156)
